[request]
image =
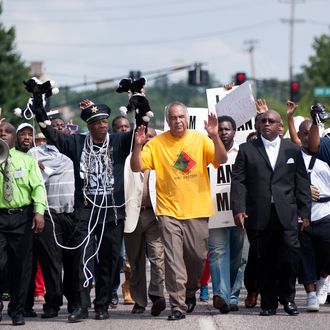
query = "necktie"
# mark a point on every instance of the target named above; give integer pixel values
(7, 182)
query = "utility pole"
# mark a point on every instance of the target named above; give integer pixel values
(251, 46)
(291, 22)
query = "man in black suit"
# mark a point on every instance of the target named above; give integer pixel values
(269, 191)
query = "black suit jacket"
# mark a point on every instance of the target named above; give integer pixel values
(254, 182)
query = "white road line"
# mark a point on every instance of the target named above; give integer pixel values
(207, 324)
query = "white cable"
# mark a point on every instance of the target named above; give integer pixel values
(87, 273)
(90, 152)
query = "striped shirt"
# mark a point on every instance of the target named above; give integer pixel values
(59, 177)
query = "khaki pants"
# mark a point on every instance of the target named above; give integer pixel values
(146, 239)
(185, 243)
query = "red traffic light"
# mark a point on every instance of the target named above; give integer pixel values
(295, 91)
(240, 78)
(295, 86)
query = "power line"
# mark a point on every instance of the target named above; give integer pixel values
(146, 73)
(152, 41)
(161, 15)
(140, 6)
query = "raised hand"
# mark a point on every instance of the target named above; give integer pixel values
(290, 108)
(261, 105)
(86, 103)
(228, 86)
(211, 126)
(140, 137)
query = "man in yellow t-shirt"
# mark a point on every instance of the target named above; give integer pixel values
(180, 158)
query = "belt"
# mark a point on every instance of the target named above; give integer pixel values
(13, 211)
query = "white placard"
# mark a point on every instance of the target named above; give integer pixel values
(231, 104)
(238, 104)
(214, 95)
(220, 180)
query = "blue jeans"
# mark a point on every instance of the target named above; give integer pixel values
(236, 287)
(225, 252)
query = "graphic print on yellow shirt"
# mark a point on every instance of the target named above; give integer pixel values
(182, 182)
(184, 163)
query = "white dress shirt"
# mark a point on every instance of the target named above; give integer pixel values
(272, 149)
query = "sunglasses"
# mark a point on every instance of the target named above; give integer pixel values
(269, 120)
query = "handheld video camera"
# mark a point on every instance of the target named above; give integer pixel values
(319, 113)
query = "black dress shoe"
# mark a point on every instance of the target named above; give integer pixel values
(220, 304)
(176, 315)
(191, 303)
(291, 308)
(158, 306)
(18, 319)
(30, 313)
(137, 309)
(101, 315)
(49, 313)
(267, 312)
(78, 314)
(114, 300)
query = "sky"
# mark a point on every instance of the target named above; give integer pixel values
(86, 41)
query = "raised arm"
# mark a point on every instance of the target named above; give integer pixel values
(314, 139)
(139, 139)
(211, 126)
(290, 110)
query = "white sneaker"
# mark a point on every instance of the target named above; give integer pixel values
(322, 291)
(312, 304)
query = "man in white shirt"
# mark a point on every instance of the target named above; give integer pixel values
(315, 239)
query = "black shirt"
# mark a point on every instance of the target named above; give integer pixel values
(119, 148)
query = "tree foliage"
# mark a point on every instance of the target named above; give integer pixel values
(318, 69)
(316, 72)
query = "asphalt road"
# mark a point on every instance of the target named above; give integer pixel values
(204, 317)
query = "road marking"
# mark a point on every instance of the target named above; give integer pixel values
(207, 324)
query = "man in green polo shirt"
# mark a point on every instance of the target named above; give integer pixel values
(22, 205)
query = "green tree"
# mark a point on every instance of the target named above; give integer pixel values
(316, 72)
(13, 72)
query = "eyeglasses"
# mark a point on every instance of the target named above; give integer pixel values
(269, 120)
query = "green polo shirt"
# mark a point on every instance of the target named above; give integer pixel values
(28, 184)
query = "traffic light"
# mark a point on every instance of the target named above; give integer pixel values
(294, 91)
(240, 78)
(198, 77)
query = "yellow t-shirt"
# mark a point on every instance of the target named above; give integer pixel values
(182, 182)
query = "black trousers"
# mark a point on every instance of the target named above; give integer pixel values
(51, 258)
(16, 252)
(250, 273)
(277, 251)
(315, 251)
(108, 256)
